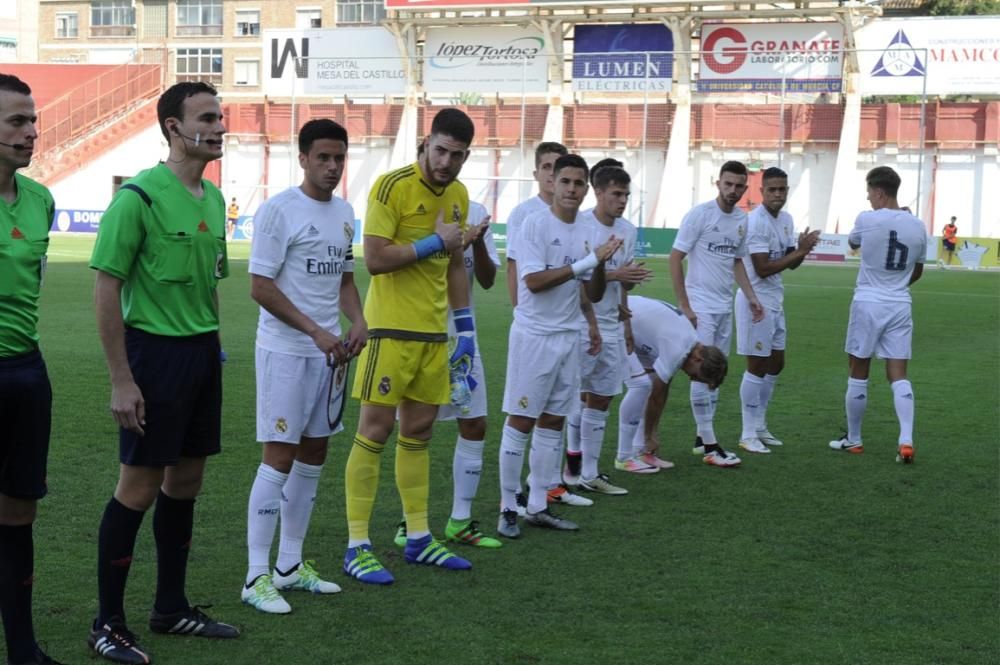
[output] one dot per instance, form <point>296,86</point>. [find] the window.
<point>308,18</point>
<point>67,25</point>
<point>247,22</point>
<point>366,12</point>
<point>112,18</point>
<point>199,17</point>
<point>246,72</point>
<point>199,64</point>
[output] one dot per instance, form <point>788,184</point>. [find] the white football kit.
<point>604,373</point>
<point>477,409</point>
<point>774,237</point>
<point>304,245</point>
<point>712,240</point>
<point>664,337</point>
<point>881,323</point>
<point>515,221</point>
<point>543,367</point>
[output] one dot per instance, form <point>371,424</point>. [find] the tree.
<point>961,7</point>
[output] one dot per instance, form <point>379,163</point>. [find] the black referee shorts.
<point>25,424</point>
<point>181,382</point>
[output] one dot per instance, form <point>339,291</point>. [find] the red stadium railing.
<point>79,111</point>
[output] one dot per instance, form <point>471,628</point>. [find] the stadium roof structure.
<point>494,12</point>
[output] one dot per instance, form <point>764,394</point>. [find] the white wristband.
<point>585,264</point>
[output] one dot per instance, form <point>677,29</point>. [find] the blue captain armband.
<point>428,245</point>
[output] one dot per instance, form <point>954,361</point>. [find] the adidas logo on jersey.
<point>421,210</point>
<point>312,230</point>
<point>556,243</point>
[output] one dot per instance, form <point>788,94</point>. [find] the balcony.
<point>199,30</point>
<point>112,30</point>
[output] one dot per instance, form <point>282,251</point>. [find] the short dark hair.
<point>11,83</point>
<point>171,102</point>
<point>884,178</point>
<point>953,218</point>
<point>454,123</point>
<point>607,161</point>
<point>714,366</point>
<point>546,147</point>
<point>732,166</point>
<point>571,161</point>
<point>320,128</point>
<point>773,172</point>
<point>604,176</point>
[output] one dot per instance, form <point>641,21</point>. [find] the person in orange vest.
<point>232,214</point>
<point>950,238</point>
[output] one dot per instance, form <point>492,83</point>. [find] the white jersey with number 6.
<point>892,243</point>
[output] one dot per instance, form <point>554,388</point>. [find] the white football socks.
<point>466,469</point>
<point>298,499</point>
<point>262,519</point>
<point>902,398</point>
<point>855,401</point>
<point>512,445</point>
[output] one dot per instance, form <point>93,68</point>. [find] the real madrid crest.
<point>586,246</point>
<point>739,230</point>
<point>456,213</point>
<point>349,231</point>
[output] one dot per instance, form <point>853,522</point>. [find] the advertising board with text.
<point>771,57</point>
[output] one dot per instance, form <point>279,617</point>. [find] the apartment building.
<point>211,40</point>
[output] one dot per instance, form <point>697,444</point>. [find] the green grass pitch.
<point>803,556</point>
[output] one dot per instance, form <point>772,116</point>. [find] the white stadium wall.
<point>963,180</point>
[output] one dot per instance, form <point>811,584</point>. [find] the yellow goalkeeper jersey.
<point>411,303</point>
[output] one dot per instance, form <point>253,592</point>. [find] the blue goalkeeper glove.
<point>464,353</point>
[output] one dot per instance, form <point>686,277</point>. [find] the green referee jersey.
<point>170,253</point>
<point>24,241</point>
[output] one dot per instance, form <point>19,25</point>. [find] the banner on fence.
<point>978,253</point>
<point>486,60</point>
<point>332,62</point>
<point>622,58</point>
<point>771,57</point>
<point>956,56</point>
<point>77,221</point>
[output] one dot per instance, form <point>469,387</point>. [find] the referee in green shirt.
<point>160,252</point>
<point>26,211</point>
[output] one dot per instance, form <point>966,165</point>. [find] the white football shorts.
<point>604,373</point>
<point>760,338</point>
<point>293,395</point>
<point>882,329</point>
<point>543,373</point>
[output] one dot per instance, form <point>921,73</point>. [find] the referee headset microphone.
<point>196,139</point>
<point>15,146</point>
